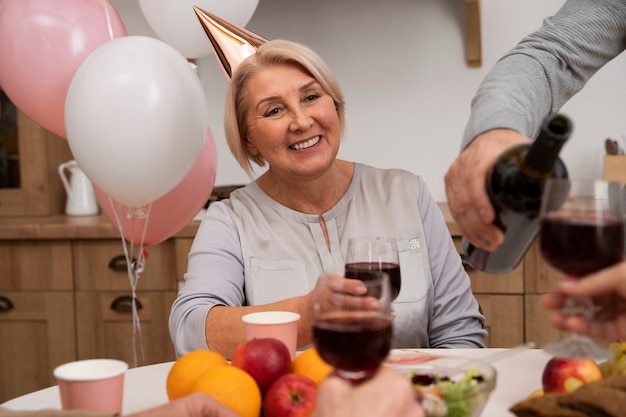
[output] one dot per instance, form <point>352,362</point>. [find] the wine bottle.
<point>514,185</point>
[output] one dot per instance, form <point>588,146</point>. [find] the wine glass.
<point>352,331</point>
<point>369,255</point>
<point>582,231</point>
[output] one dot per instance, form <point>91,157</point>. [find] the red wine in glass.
<point>366,271</point>
<point>352,331</point>
<point>354,343</point>
<point>579,245</point>
<point>582,232</point>
<point>368,256</point>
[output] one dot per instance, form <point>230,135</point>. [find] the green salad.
<point>442,396</point>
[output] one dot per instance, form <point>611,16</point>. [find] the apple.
<point>291,395</point>
<point>264,359</point>
<point>564,375</point>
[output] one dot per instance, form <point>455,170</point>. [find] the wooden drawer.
<point>504,319</point>
<point>101,265</point>
<point>37,335</point>
<point>107,332</point>
<point>36,265</point>
<point>511,283</point>
<point>540,277</point>
<point>538,327</point>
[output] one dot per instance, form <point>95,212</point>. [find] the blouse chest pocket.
<point>416,277</point>
<point>271,281</point>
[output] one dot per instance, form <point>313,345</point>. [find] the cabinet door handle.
<point>118,263</point>
<point>5,304</point>
<point>124,304</point>
<point>466,264</point>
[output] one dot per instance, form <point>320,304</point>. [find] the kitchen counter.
<point>67,227</point>
<point>100,227</point>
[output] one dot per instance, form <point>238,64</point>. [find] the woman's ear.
<point>252,150</point>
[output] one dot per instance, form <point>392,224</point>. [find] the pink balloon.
<point>170,213</point>
<point>43,44</point>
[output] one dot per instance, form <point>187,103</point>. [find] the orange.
<point>310,364</point>
<point>188,368</point>
<point>233,387</point>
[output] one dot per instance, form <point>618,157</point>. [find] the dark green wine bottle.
<point>514,185</point>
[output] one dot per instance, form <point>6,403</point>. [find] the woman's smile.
<point>306,144</point>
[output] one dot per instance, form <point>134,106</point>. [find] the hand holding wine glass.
<point>369,255</point>
<point>352,328</point>
<point>608,290</point>
<point>582,232</point>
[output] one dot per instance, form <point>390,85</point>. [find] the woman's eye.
<point>272,112</point>
<point>311,97</point>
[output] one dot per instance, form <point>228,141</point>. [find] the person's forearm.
<point>224,329</point>
<point>509,100</point>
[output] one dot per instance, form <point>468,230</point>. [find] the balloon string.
<point>135,271</point>
<point>134,267</point>
<point>108,18</point>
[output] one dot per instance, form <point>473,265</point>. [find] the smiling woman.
<point>265,246</point>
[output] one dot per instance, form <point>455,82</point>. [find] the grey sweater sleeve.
<point>548,67</point>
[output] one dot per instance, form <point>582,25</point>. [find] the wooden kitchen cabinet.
<point>101,265</point>
<point>36,313</point>
<point>36,334</point>
<point>104,302</point>
<point>65,295</point>
<point>37,189</point>
<point>105,326</point>
<point>501,299</point>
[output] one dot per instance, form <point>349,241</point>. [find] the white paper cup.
<point>92,385</point>
<point>281,325</point>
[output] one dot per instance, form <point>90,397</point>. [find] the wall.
<point>401,64</point>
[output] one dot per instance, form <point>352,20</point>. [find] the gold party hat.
<point>230,43</point>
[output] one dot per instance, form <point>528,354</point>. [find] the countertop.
<point>99,227</point>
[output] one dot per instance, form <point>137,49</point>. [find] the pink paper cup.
<point>92,385</point>
<point>281,325</point>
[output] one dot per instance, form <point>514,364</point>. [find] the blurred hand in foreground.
<point>607,289</point>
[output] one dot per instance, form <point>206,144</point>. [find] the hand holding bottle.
<point>515,187</point>
<point>465,186</point>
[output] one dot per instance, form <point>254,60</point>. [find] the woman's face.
<point>291,122</point>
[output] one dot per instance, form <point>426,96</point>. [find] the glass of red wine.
<point>352,331</point>
<point>582,232</point>
<point>368,256</point>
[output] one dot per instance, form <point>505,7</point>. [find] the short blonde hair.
<point>275,52</point>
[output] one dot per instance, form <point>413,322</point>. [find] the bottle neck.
<point>542,155</point>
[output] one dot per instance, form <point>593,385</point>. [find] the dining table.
<point>518,375</point>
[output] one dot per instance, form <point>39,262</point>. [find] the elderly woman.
<point>265,246</point>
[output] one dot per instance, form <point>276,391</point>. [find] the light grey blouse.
<point>251,250</point>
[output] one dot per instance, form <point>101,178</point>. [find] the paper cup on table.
<point>92,385</point>
<point>281,325</point>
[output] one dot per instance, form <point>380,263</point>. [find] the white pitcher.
<point>81,198</point>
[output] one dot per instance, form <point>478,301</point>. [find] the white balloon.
<point>175,22</point>
<point>136,118</point>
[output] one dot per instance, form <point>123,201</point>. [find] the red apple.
<point>265,360</point>
<point>566,375</point>
<point>292,395</point>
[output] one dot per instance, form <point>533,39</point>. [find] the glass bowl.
<point>446,386</point>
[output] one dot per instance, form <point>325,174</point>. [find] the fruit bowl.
<point>446,386</point>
